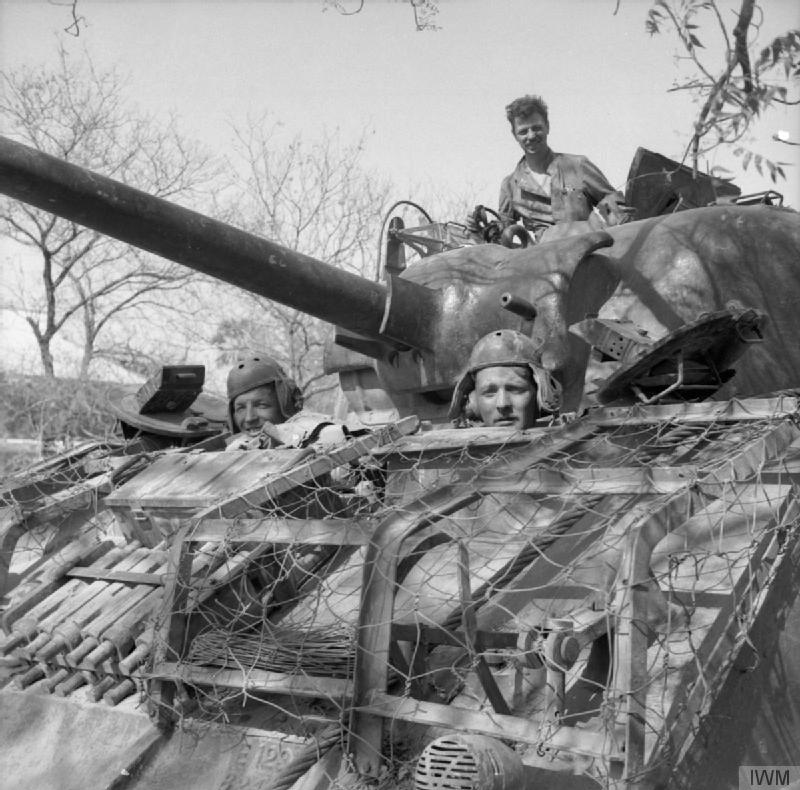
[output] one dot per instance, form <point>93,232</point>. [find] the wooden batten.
<point>724,638</point>
<point>255,680</point>
<point>334,532</point>
<point>735,410</point>
<point>583,741</point>
<point>127,577</point>
<point>581,490</point>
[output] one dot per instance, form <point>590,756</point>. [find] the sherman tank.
<point>604,600</point>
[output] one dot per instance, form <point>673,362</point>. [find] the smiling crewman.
<point>504,384</point>
<point>265,410</point>
<point>260,392</point>
<point>260,396</point>
<point>545,187</point>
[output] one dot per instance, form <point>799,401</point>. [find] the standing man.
<point>504,384</point>
<point>546,187</point>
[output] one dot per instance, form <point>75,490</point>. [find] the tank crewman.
<point>265,409</point>
<point>505,384</point>
<point>546,187</point>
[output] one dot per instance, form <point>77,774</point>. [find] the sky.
<point>430,103</point>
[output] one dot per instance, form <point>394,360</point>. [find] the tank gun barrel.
<point>401,316</point>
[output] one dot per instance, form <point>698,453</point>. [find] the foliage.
<point>58,413</point>
<point>86,280</point>
<point>732,98</point>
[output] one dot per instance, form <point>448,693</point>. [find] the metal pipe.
<point>209,246</point>
<point>517,305</point>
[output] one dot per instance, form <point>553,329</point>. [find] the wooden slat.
<point>473,636</point>
<point>750,459</point>
<point>642,523</point>
<point>191,482</point>
<point>456,440</point>
<point>105,463</point>
<point>106,667</point>
<point>524,589</point>
<point>597,480</point>
<point>718,641</point>
<point>774,476</point>
<point>463,443</point>
<point>380,573</point>
<point>706,412</point>
<point>233,566</point>
<point>698,599</point>
<point>41,599</point>
<point>436,635</point>
<point>630,651</point>
<point>740,466</point>
<point>10,535</point>
<point>169,631</point>
<point>76,604</point>
<point>577,741</point>
<point>333,532</point>
<point>48,476</point>
<point>129,577</point>
<point>79,496</point>
<point>450,440</point>
<point>303,472</point>
<point>590,626</point>
<point>575,592</point>
<point>114,614</point>
<point>255,680</point>
<point>58,463</point>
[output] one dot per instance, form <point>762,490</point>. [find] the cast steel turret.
<point>403,342</point>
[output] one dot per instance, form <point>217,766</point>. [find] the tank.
<point>416,328</point>
<point>605,599</point>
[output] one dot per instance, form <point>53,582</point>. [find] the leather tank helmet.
<point>260,370</point>
<point>504,348</point>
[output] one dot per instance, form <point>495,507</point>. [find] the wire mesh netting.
<point>578,591</point>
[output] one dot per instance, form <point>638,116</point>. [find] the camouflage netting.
<point>579,591</point>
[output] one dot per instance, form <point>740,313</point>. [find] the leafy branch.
<point>80,114</point>
<point>732,98</point>
<point>425,11</point>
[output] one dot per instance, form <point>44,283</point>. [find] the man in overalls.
<point>547,188</point>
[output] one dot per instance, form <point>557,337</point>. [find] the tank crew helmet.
<point>504,348</point>
<point>258,370</point>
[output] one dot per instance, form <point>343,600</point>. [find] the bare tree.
<point>733,96</point>
<point>76,20</point>
<point>310,196</point>
<point>85,279</point>
<point>425,11</point>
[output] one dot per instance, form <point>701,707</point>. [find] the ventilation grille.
<point>447,764</point>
